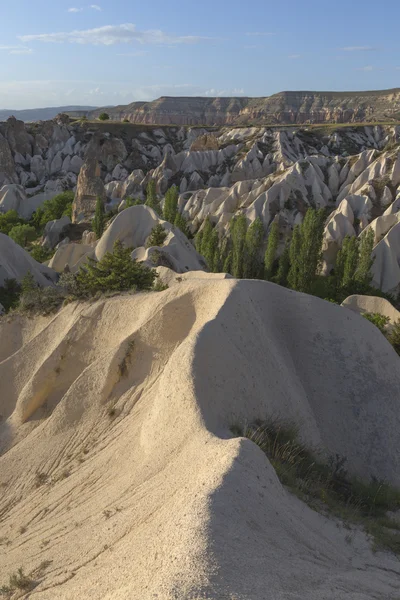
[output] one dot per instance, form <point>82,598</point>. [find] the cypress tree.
<point>198,239</point>
<point>284,266</point>
<point>99,218</point>
<point>294,252</point>
<point>151,196</point>
<point>171,204</point>
<point>181,223</point>
<point>205,238</point>
<point>270,253</point>
<point>227,265</point>
<point>238,229</point>
<point>310,256</point>
<point>209,246</point>
<point>363,276</point>
<point>346,263</point>
<point>253,260</point>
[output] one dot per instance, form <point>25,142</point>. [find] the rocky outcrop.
<point>285,107</point>
<point>15,263</point>
<point>54,231</point>
<point>88,189</point>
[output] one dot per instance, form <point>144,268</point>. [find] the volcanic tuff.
<point>273,173</point>
<point>285,107</point>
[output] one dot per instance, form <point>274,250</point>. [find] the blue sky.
<point>55,53</point>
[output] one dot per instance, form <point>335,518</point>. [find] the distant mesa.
<point>285,108</point>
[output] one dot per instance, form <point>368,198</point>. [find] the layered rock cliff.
<point>285,108</point>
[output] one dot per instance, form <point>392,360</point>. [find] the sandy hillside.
<point>119,476</point>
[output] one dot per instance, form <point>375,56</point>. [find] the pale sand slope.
<point>191,512</point>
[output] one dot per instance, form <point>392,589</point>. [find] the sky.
<point>64,52</point>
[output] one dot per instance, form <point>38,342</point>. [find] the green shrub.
<point>394,337</point>
<point>57,207</point>
<point>22,234</point>
<point>380,321</point>
<point>41,253</point>
<point>8,220</point>
<point>129,201</point>
<point>9,294</point>
<point>157,236</point>
<point>116,271</point>
<point>104,116</point>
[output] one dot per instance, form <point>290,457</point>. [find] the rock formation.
<point>88,189</point>
<point>120,477</point>
<point>353,172</point>
<point>285,107</point>
<point>15,263</point>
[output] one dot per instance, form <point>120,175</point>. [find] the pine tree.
<point>151,197</point>
<point>283,267</point>
<point>99,218</point>
<point>363,276</point>
<point>253,257</point>
<point>28,283</point>
<point>270,253</point>
<point>116,271</point>
<point>171,204</point>
<point>294,251</point>
<point>157,236</point>
<point>238,228</point>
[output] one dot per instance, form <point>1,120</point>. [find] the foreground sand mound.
<point>118,473</point>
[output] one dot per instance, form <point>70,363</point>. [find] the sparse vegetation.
<point>380,321</point>
<point>394,337</point>
<point>325,485</point>
<point>17,581</point>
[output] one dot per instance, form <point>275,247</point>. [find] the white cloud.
<point>22,51</point>
<point>112,34</point>
<point>75,10</point>
<point>358,49</point>
<point>138,53</point>
<point>96,7</point>
<point>16,49</point>
<point>294,56</point>
<point>215,93</point>
<point>260,33</point>
<point>366,69</point>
